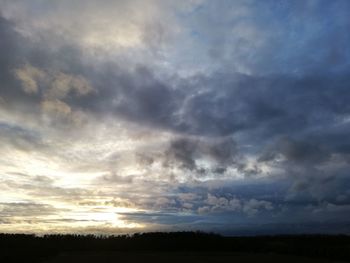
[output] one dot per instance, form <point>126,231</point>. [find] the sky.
<point>155,115</point>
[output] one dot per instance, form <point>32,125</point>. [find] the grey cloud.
<point>249,207</point>
<point>297,151</point>
<point>30,87</point>
<point>311,165</point>
<point>20,138</point>
<point>151,100</point>
<point>44,187</point>
<point>187,197</point>
<point>262,105</point>
<point>9,210</point>
<point>185,152</point>
<point>161,218</point>
<point>253,206</point>
<point>242,102</point>
<point>117,179</point>
<point>101,25</point>
<point>315,184</point>
<point>10,56</point>
<point>220,204</point>
<point>120,202</point>
<point>271,29</point>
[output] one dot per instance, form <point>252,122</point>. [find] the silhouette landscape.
<point>173,247</point>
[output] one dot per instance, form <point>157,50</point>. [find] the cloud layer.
<point>117,116</point>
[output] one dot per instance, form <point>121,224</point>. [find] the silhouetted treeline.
<point>31,248</point>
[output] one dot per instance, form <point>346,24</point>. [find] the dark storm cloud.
<point>185,152</point>
<point>10,56</point>
<point>297,151</point>
<point>221,104</point>
<point>265,107</point>
<point>265,199</point>
<point>8,44</point>
<point>272,104</point>
<point>140,97</point>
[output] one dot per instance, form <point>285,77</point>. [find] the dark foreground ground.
<point>182,257</point>
<point>179,247</point>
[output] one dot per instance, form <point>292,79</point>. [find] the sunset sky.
<point>121,116</point>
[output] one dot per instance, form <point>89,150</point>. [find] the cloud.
<point>63,84</point>
<point>187,152</point>
<point>53,85</point>
<point>23,210</point>
<point>100,29</point>
<point>249,207</point>
<point>117,179</point>
<point>20,138</point>
<point>297,151</point>
<point>29,76</point>
<point>192,112</point>
<point>253,206</point>
<point>56,106</point>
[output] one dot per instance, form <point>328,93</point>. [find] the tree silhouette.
<point>31,248</point>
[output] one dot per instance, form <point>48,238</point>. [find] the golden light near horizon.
<point>104,215</point>
<point>73,218</point>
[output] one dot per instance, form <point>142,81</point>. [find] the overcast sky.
<point>124,116</point>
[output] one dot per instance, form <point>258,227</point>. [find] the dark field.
<point>180,257</point>
<point>177,247</point>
